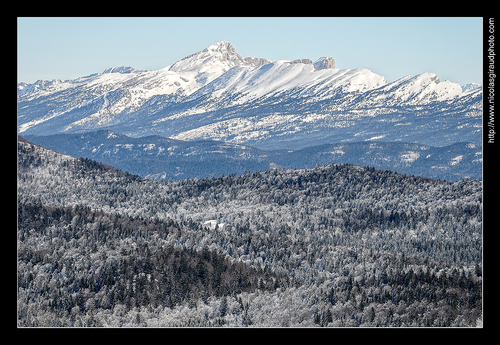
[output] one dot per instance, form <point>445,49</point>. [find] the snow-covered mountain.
<point>217,94</point>
<point>470,87</point>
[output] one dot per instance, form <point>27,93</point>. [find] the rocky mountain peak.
<point>223,47</point>
<point>218,53</point>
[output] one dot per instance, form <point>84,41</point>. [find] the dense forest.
<point>337,245</point>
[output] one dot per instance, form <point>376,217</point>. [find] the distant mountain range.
<point>217,94</point>
<point>163,158</point>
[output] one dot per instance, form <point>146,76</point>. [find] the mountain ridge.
<point>217,94</point>
<point>163,158</point>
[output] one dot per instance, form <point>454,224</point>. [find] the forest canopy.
<point>337,245</point>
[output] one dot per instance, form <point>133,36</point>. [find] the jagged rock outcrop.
<point>306,61</point>
<point>324,63</point>
<point>254,62</point>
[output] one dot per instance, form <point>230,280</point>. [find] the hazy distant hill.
<point>163,158</point>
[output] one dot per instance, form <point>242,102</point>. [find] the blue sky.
<point>67,48</point>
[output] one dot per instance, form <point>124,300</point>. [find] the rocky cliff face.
<point>251,61</point>
<point>324,63</point>
<point>306,61</point>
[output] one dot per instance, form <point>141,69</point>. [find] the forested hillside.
<point>97,261</point>
<point>338,245</point>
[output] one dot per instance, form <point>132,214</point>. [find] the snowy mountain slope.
<point>246,84</point>
<point>470,87</point>
<point>107,97</point>
<point>217,94</point>
<point>163,158</point>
